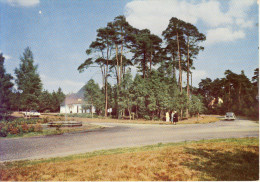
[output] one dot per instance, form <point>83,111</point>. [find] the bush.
<point>146,117</point>
<point>20,129</point>
<point>3,132</point>
<point>31,128</point>
<point>19,126</point>
<point>14,130</point>
<point>38,128</point>
<point>25,128</point>
<point>156,118</point>
<point>46,120</point>
<point>1,125</point>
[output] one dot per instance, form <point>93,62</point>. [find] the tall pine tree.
<point>5,88</point>
<point>28,81</point>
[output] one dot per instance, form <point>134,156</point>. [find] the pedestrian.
<point>167,117</point>
<point>172,115</point>
<point>175,117</point>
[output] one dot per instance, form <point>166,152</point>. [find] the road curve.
<point>120,135</point>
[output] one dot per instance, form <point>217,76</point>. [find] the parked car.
<point>230,116</point>
<point>32,114</point>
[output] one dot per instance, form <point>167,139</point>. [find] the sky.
<point>59,32</point>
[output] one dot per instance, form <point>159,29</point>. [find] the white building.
<point>75,104</point>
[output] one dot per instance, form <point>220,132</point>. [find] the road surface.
<point>120,135</point>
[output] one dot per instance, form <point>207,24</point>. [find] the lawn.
<point>217,160</point>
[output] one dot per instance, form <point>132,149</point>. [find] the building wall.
<point>75,108</point>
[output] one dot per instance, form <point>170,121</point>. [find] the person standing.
<point>167,117</point>
<point>175,117</point>
<point>172,115</point>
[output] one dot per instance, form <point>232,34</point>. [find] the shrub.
<point>156,118</point>
<point>1,125</point>
<point>46,120</point>
<point>25,127</point>
<point>3,132</point>
<point>20,129</point>
<point>31,128</point>
<point>38,128</point>
<point>146,117</point>
<point>14,130</point>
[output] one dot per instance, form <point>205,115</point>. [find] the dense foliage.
<point>156,91</point>
<point>238,93</point>
<point>119,46</point>
<point>28,82</point>
<point>5,89</point>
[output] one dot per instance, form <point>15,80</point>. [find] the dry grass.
<point>193,120</point>
<point>228,159</point>
<point>200,120</point>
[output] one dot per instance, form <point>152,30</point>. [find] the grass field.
<point>223,159</point>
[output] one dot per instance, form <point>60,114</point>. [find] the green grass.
<point>45,132</point>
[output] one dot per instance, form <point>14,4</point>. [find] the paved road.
<point>120,135</point>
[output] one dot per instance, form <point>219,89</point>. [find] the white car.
<point>230,116</point>
<point>32,114</point>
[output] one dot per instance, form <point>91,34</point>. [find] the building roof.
<point>72,99</point>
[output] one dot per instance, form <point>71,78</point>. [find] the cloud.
<point>7,57</point>
<point>67,86</point>
<point>155,15</point>
<point>223,35</point>
<point>23,3</point>
<point>197,75</point>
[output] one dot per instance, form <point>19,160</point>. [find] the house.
<point>75,103</point>
<point>215,101</point>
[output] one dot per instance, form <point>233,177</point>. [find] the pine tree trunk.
<point>173,71</point>
<point>144,65</point>
<point>117,67</point>
<point>106,96</point>
<point>191,81</point>
<point>106,73</point>
<point>180,69</point>
<point>121,57</point>
<point>188,76</point>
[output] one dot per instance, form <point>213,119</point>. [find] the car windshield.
<point>229,114</point>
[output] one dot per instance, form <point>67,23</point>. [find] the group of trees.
<point>238,93</point>
<point>155,91</point>
<point>29,93</point>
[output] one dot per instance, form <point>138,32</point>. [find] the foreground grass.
<point>224,159</point>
